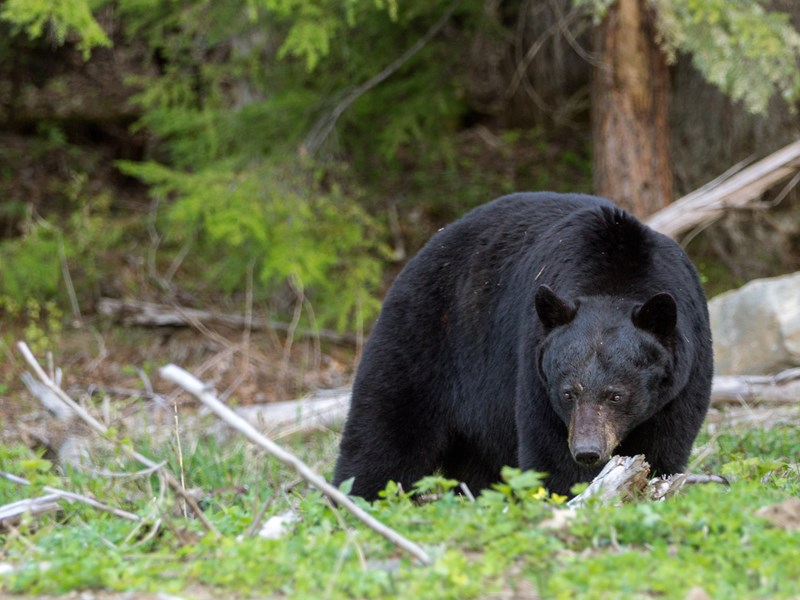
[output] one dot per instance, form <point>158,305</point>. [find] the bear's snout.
<point>591,435</point>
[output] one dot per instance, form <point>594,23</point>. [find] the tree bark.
<point>629,111</point>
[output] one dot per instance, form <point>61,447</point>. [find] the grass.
<point>708,536</point>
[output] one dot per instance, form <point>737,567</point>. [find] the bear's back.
<point>486,241</point>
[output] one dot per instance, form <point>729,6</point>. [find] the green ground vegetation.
<point>709,536</point>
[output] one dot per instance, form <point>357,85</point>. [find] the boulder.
<point>756,328</point>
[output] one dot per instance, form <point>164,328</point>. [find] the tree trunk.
<point>630,128</point>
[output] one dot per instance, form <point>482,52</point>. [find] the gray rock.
<point>756,328</point>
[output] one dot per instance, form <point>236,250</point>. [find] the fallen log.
<point>779,389</point>
<point>623,478</point>
<point>153,314</point>
<point>739,190</point>
<point>329,407</point>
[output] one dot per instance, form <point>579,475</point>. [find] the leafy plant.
<point>58,19</point>
<point>750,53</point>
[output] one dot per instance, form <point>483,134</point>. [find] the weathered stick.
<point>98,427</point>
<point>11,513</point>
<point>195,387</point>
<point>153,314</point>
<point>76,497</point>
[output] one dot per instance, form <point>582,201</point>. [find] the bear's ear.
<point>552,309</point>
<point>659,315</point>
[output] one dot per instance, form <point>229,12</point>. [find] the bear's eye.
<point>567,396</point>
<point>615,397</point>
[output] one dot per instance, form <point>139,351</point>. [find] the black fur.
<point>461,374</point>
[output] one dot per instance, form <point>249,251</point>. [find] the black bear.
<point>540,330</point>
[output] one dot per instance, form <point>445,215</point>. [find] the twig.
<point>195,387</point>
<point>701,478</point>
<point>179,258</point>
<point>297,288</point>
<point>524,62</point>
<point>255,526</point>
<point>244,346</point>
<point>73,297</point>
<point>103,431</point>
<point>467,492</point>
<point>76,497</point>
<point>180,454</point>
<point>126,475</point>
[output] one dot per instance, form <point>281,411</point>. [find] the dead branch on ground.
<point>705,205</point>
<point>10,514</point>
<point>749,417</point>
<point>195,387</point>
<point>104,432</point>
<point>622,477</point>
<point>782,388</point>
<point>153,314</point>
<point>72,496</point>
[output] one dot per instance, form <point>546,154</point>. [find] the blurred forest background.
<point>284,158</point>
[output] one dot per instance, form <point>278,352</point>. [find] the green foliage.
<point>22,462</point>
<point>38,18</point>
<point>284,224</point>
<point>235,90</point>
<point>748,52</point>
<point>242,86</point>
<point>31,264</point>
<point>709,536</point>
<point>34,263</point>
<point>43,321</point>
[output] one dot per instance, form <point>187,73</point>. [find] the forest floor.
<point>102,362</point>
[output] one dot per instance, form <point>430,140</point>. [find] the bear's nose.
<point>587,456</point>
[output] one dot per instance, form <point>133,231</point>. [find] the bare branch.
<point>11,513</point>
<point>153,314</point>
<point>195,387</point>
<point>75,497</point>
<point>103,431</point>
<point>625,477</point>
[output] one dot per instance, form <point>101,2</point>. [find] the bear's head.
<point>606,363</point>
